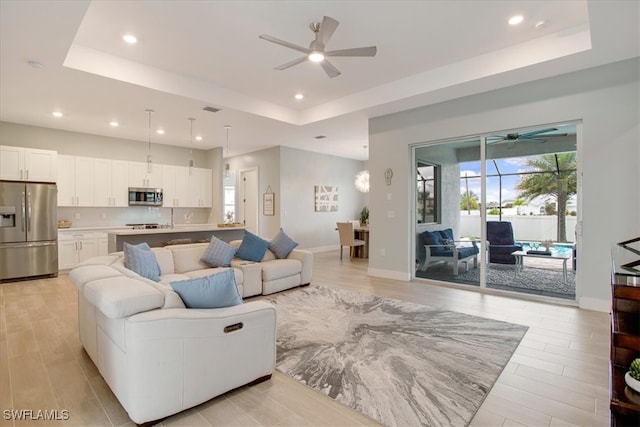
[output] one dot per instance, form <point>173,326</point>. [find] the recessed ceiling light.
<point>130,38</point>
<point>515,20</point>
<point>160,131</point>
<point>320,137</point>
<point>57,114</point>
<point>299,96</point>
<point>35,64</point>
<point>114,124</point>
<point>198,138</point>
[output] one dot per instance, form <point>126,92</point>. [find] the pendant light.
<point>149,162</point>
<point>226,166</point>
<point>190,163</point>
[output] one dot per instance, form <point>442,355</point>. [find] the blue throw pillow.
<point>218,253</point>
<point>215,291</point>
<point>282,245</point>
<point>140,259</point>
<point>252,247</point>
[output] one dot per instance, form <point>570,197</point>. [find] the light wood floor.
<point>558,376</point>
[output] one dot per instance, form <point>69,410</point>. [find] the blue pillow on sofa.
<point>252,247</point>
<point>140,259</point>
<point>214,291</point>
<point>218,253</point>
<point>282,245</point>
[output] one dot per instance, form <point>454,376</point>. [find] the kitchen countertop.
<point>178,228</point>
<point>183,228</point>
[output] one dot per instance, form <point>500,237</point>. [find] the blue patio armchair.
<point>501,242</point>
<point>439,246</point>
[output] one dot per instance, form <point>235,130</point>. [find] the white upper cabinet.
<point>111,183</point>
<point>200,186</point>
<point>76,181</point>
<point>28,164</point>
<point>140,177</point>
<point>175,186</point>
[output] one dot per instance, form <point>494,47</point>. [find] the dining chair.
<point>347,238</point>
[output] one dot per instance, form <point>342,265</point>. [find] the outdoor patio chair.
<point>439,246</point>
<point>501,242</point>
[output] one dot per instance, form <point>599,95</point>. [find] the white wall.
<point>301,171</point>
<point>292,175</point>
<point>605,99</point>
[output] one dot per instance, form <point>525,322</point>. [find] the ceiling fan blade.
<point>284,43</point>
<point>356,51</point>
<point>291,63</point>
<point>327,28</point>
<point>329,69</point>
<point>530,140</point>
<point>536,132</point>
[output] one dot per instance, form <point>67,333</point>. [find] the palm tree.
<point>554,175</point>
<point>469,201</point>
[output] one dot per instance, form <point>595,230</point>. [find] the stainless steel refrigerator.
<point>28,230</point>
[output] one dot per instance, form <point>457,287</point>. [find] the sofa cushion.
<point>252,247</point>
<point>165,260</point>
<point>218,253</point>
<point>142,260</point>
<point>433,238</point>
<point>187,257</point>
<point>280,268</point>
<point>213,291</point>
<point>282,245</point>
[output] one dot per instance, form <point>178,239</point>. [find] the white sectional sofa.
<point>160,358</point>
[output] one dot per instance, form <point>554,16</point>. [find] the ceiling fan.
<point>533,136</point>
<point>316,51</point>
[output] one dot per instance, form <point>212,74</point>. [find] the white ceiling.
<point>193,54</point>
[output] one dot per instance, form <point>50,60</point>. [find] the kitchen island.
<point>158,237</point>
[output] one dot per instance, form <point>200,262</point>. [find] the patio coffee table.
<point>520,256</point>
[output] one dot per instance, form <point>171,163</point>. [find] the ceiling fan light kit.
<point>316,51</point>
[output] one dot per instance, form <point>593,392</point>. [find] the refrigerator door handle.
<point>24,212</point>
<point>28,212</point>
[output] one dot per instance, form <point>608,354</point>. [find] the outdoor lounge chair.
<point>501,242</point>
<point>440,246</point>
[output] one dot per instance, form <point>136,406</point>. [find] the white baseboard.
<point>322,248</point>
<point>389,274</point>
<point>595,304</point>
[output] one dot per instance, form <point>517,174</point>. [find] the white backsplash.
<point>116,217</point>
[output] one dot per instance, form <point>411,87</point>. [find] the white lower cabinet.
<point>76,247</point>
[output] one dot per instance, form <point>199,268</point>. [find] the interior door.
<point>249,199</point>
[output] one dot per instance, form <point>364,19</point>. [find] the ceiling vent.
<point>211,109</point>
<point>320,137</point>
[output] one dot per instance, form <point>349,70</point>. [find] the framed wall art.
<point>268,202</point>
<point>326,198</point>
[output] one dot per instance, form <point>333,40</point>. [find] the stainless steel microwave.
<point>145,196</point>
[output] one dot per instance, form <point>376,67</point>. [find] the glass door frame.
<point>483,255</point>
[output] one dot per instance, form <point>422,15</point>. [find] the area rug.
<point>539,281</point>
<point>399,363</point>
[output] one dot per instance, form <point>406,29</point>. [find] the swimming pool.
<point>559,248</point>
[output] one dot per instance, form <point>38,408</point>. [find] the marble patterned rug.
<point>399,363</point>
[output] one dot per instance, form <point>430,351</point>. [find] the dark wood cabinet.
<point>625,346</point>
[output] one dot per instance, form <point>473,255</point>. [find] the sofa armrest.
<point>118,297</point>
<point>306,258</point>
<point>193,355</point>
<point>252,276</point>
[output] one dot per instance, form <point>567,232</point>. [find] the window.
<point>428,193</point>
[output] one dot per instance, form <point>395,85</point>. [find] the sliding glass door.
<point>499,211</point>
